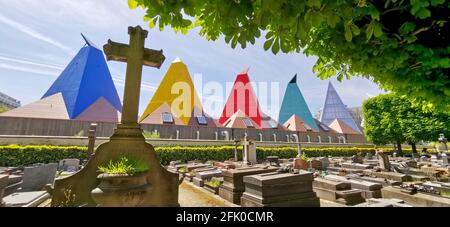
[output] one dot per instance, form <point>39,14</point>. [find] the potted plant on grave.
<point>213,185</point>
<point>302,162</point>
<point>123,183</point>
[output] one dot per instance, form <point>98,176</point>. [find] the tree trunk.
<point>414,148</point>
<point>399,148</point>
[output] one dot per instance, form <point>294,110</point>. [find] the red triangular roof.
<point>242,97</point>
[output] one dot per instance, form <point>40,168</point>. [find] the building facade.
<point>8,101</point>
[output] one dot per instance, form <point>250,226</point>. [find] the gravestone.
<point>325,162</point>
<point>127,139</point>
<point>233,186</point>
<point>279,190</point>
<point>445,159</point>
<point>36,177</point>
<point>249,156</point>
<point>383,160</point>
<point>357,159</point>
<point>69,165</point>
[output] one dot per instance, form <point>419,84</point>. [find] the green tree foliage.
<point>403,45</point>
<point>394,119</point>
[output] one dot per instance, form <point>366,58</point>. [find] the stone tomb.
<point>233,186</point>
<point>190,175</point>
<point>389,175</point>
<point>279,190</point>
<point>418,200</point>
<point>201,177</point>
<point>336,191</point>
<point>369,189</point>
<point>356,166</point>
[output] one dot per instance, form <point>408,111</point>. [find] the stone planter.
<point>301,164</point>
<point>212,189</point>
<point>121,190</point>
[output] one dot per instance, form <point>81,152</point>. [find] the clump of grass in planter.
<point>124,166</point>
<point>183,170</point>
<point>214,183</point>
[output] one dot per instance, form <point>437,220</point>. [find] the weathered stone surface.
<point>200,177</point>
<point>355,166</point>
<point>335,191</point>
<point>389,175</point>
<point>308,199</point>
<point>369,189</point>
<point>384,160</point>
<point>331,184</point>
<point>26,199</point>
<point>36,177</point>
<point>69,165</point>
<point>3,184</point>
<point>418,200</point>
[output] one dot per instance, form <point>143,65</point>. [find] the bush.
<point>14,155</point>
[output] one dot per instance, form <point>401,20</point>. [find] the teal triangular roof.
<point>334,109</point>
<point>85,80</point>
<point>295,104</point>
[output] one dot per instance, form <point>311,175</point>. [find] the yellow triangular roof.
<point>176,90</point>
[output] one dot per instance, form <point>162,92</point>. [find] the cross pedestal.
<point>127,139</point>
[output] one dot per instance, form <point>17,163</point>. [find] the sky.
<point>39,38</point>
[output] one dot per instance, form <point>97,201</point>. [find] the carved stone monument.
<point>127,139</point>
<point>383,159</point>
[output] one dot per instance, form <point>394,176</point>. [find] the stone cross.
<point>246,145</point>
<point>135,55</point>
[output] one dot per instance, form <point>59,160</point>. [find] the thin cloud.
<point>27,69</point>
<point>33,33</point>
<point>29,62</point>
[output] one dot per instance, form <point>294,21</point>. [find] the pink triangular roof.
<point>52,107</point>
<point>340,127</point>
<point>100,111</point>
<point>156,116</point>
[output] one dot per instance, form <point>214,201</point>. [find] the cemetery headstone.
<point>383,159</point>
<point>69,165</point>
<point>35,178</point>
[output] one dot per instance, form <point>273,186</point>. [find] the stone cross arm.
<point>120,52</point>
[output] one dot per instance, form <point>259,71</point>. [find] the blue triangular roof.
<point>295,104</point>
<point>334,108</point>
<point>84,81</point>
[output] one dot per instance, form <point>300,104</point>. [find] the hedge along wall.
<point>14,155</point>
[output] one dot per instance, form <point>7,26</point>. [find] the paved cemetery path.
<point>192,196</point>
